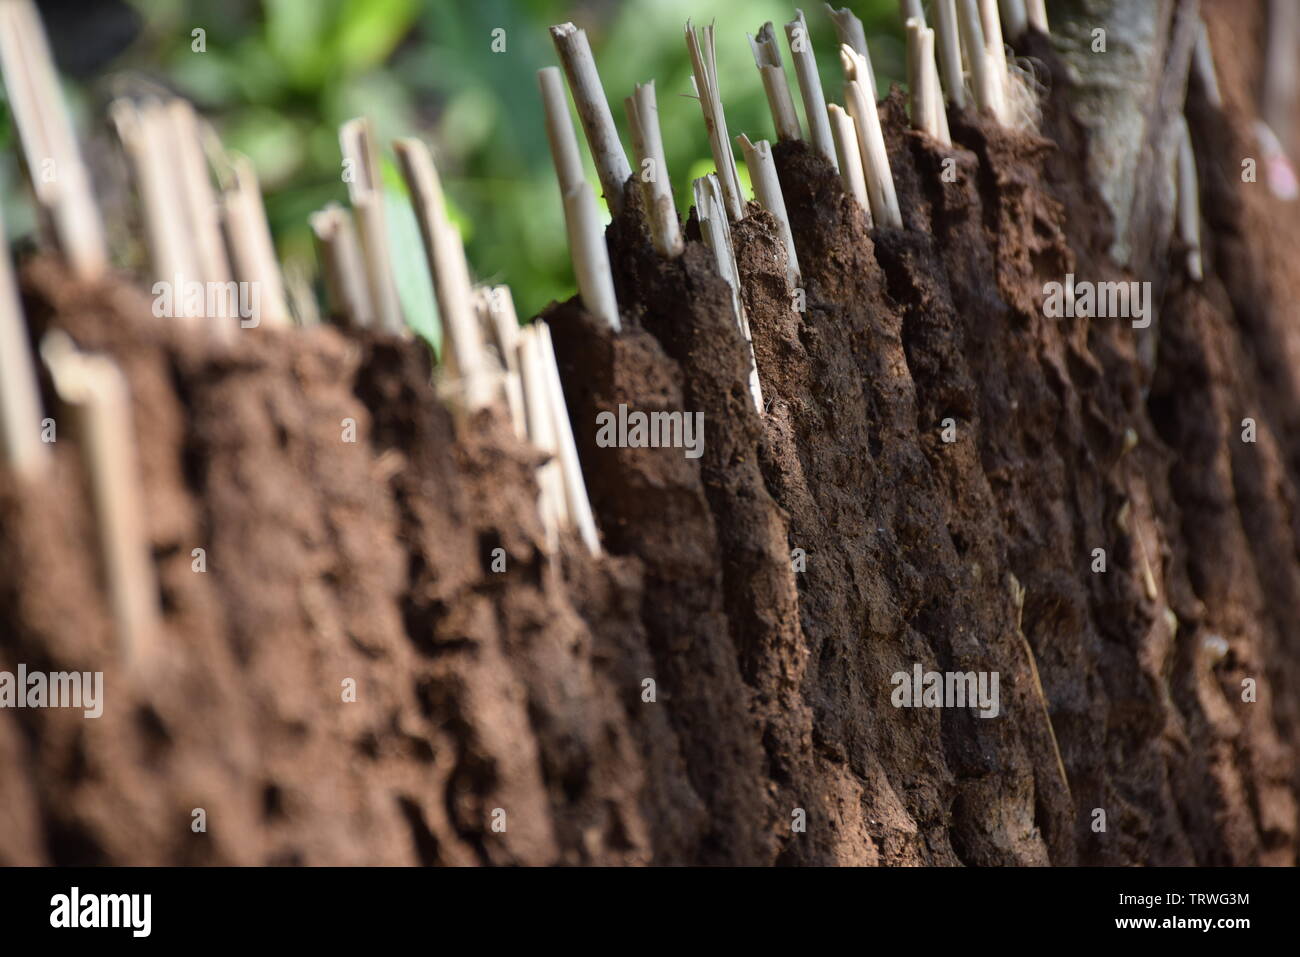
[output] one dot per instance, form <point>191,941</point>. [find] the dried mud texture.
<point>935,468</point>
<point>326,561</point>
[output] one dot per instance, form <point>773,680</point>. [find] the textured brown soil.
<point>526,690</point>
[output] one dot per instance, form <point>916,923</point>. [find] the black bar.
<point>614,908</point>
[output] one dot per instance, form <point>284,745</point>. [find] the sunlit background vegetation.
<point>279,76</point>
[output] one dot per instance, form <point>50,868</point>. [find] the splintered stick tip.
<point>593,110</point>
<point>767,57</point>
<point>810,87</point>
<point>846,143</point>
<point>575,486</point>
<point>705,79</point>
<point>656,187</point>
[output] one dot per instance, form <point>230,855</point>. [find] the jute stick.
<point>593,109</point>
<point>143,132</point>
<point>920,41</point>
<point>58,175</point>
<point>767,189</point>
<point>199,197</point>
<point>95,385</point>
<point>366,193</point>
<point>541,433</point>
<point>911,10</point>
<point>497,309</point>
<point>871,143</point>
<point>846,142</point>
<point>983,77</point>
<point>1014,18</point>
<point>997,52</point>
<point>949,45</point>
<point>940,110</point>
<point>462,343</point>
<point>705,66</point>
<point>559,129</point>
<point>1036,12</point>
<point>810,88</point>
<point>652,174</point>
<point>20,401</point>
<point>1189,202</point>
<point>575,486</point>
<point>342,266</point>
<point>198,203</point>
<point>372,238</point>
<point>582,222</point>
<point>248,236</point>
<point>298,290</point>
<point>767,57</point>
<point>848,28</point>
<point>590,256</point>
<point>716,233</point>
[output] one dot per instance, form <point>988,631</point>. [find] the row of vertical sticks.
<point>204,222</point>
<point>971,53</point>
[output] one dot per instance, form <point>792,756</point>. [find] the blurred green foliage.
<point>279,76</point>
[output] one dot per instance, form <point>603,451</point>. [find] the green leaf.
<point>367,31</point>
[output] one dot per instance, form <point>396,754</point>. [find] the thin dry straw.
<point>997,53</point>
<point>585,231</point>
<point>940,110</point>
<point>767,57</point>
<point>366,193</point>
<point>767,189</point>
<point>1036,12</point>
<point>949,45</point>
<point>810,87</point>
<point>559,129</point>
<point>575,486</point>
<point>590,256</point>
<point>248,236</point>
<point>1189,202</point>
<point>462,350</point>
<point>846,142</point>
<point>54,164</point>
<point>871,143</point>
<point>20,402</point>
<point>199,197</point>
<point>496,310</point>
<point>656,186</point>
<point>144,132</point>
<point>342,266</point>
<point>920,45</point>
<point>705,66</point>
<point>983,76</point>
<point>593,109</point>
<point>716,233</point>
<point>541,433</point>
<point>96,386</point>
<point>298,277</point>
